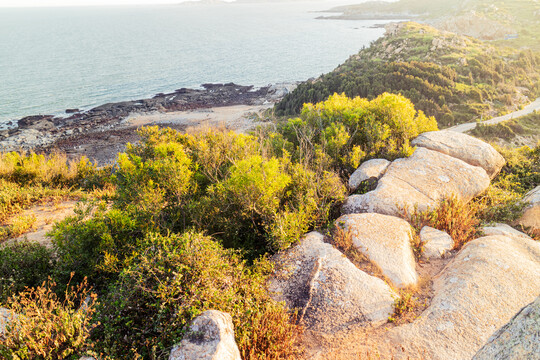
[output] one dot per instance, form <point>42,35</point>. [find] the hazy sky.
<point>25,3</point>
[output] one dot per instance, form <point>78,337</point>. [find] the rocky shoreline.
<point>104,124</point>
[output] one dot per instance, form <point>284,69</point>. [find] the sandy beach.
<point>239,118</point>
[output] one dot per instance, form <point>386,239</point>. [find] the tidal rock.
<point>422,180</point>
<point>37,122</point>
<point>464,147</point>
<point>436,243</point>
<point>517,340</point>
<point>210,337</point>
<point>531,215</point>
<point>371,169</point>
<point>386,241</point>
<point>483,287</point>
<point>329,291</point>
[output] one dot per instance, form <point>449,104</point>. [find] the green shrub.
<point>173,279</point>
<point>94,243</point>
<point>23,264</point>
<point>342,132</point>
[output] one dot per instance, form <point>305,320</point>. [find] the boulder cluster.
<point>481,287</point>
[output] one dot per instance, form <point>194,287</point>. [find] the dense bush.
<point>343,132</point>
<point>175,278</point>
<point>23,264</point>
<point>225,183</point>
<point>94,243</point>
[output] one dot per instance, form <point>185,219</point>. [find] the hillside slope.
<point>454,78</point>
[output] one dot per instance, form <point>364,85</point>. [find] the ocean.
<point>52,59</point>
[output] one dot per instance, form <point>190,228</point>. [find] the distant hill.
<point>454,78</point>
<point>515,22</point>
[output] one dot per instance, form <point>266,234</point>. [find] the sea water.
<point>57,58</point>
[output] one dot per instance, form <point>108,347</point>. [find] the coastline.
<point>101,132</point>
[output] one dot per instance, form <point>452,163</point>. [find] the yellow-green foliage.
<point>343,132</point>
<point>46,328</point>
<point>225,183</point>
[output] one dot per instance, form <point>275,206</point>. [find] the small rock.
<point>531,215</point>
<point>464,147</point>
<point>72,111</point>
<point>210,337</point>
<point>517,340</point>
<point>371,169</point>
<point>386,241</point>
<point>329,291</point>
<point>436,243</point>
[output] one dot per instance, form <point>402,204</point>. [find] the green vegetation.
<point>527,126</point>
<point>453,78</point>
<point>189,222</point>
<point>341,133</point>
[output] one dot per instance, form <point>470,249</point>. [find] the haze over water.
<point>57,58</point>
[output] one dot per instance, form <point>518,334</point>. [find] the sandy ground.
<point>240,118</point>
<point>45,215</point>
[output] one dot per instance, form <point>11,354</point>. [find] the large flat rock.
<point>484,286</point>
<point>421,180</point>
<point>464,147</point>
<point>517,340</point>
<point>330,293</point>
<point>386,241</point>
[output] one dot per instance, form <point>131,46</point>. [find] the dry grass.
<point>46,327</point>
<point>457,217</point>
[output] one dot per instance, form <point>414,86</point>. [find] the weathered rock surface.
<point>483,287</point>
<point>210,337</point>
<point>386,241</point>
<point>436,243</point>
<point>329,291</point>
<point>464,147</point>
<point>503,229</point>
<point>371,169</point>
<point>517,340</point>
<point>531,215</point>
<point>422,180</point>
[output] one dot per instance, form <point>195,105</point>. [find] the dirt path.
<point>44,217</point>
<point>535,105</point>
